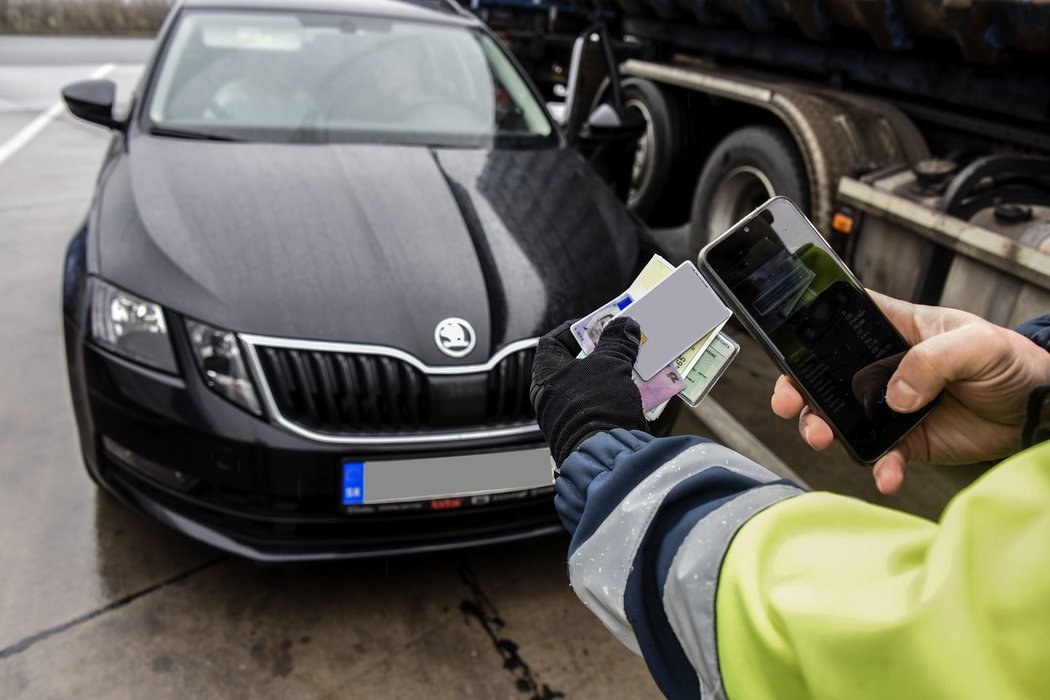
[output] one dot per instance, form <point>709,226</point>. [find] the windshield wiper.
<point>189,134</point>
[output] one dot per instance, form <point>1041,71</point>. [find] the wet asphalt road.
<point>98,601</point>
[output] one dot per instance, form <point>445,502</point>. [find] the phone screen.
<point>828,332</point>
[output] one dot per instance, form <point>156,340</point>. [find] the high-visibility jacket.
<point>734,583</point>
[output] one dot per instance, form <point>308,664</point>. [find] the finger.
<point>551,355</point>
<point>787,402</point>
<point>563,335</point>
<point>889,471</point>
<point>930,365</point>
<point>814,430</point>
<point>619,340</point>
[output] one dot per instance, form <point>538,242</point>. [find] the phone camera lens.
<point>747,229</point>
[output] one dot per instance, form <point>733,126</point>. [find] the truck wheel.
<point>660,174</point>
<point>745,169</point>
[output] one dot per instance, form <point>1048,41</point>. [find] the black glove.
<point>575,399</point>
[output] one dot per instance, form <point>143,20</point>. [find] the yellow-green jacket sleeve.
<point>822,596</point>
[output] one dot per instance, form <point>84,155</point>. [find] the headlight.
<point>219,357</point>
<point>130,326</point>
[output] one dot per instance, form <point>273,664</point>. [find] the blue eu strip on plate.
<point>353,483</point>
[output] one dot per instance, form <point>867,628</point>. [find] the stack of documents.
<point>682,351</point>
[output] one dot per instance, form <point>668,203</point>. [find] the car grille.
<point>346,393</point>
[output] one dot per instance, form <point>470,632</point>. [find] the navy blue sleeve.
<point>587,477</point>
<point>1037,330</point>
<point>651,515</point>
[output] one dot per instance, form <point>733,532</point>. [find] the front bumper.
<point>182,454</point>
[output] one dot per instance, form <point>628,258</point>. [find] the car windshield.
<point>313,77</point>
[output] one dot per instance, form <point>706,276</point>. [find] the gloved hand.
<point>575,399</point>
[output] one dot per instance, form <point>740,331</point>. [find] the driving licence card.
<point>659,388</point>
<point>674,315</point>
<point>656,391</point>
<point>589,328</point>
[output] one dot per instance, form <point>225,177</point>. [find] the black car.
<point>301,315</point>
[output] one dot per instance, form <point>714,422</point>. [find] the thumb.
<point>619,340</point>
<point>916,322</point>
<point>930,365</point>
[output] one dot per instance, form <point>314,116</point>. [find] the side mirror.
<point>607,125</point>
<point>92,101</point>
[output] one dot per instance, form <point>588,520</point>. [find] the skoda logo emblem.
<point>454,337</point>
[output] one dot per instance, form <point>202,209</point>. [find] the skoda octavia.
<point>301,314</point>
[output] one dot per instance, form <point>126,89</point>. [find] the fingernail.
<point>901,396</point>
<point>805,433</point>
<point>881,479</point>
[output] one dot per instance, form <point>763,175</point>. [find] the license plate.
<point>471,479</point>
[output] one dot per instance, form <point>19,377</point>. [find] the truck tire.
<point>746,168</point>
<point>664,170</point>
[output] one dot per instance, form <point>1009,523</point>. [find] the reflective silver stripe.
<point>692,581</point>
<point>599,568</point>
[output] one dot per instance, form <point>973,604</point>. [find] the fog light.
<point>169,477</point>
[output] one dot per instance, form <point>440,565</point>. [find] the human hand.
<point>987,373</point>
<point>576,398</point>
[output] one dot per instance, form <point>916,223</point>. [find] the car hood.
<point>364,243</point>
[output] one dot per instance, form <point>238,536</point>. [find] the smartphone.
<point>815,321</point>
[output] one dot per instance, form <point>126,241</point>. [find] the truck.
<point>915,134</point>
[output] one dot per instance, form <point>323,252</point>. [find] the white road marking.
<point>13,144</point>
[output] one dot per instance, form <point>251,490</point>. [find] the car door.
<point>597,122</point>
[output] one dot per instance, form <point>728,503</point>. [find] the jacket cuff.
<point>588,487</point>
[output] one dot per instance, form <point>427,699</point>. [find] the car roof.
<point>438,11</point>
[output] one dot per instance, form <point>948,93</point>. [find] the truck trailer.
<point>915,134</point>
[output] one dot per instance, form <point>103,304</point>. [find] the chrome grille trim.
<point>251,341</point>
<point>360,349</point>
